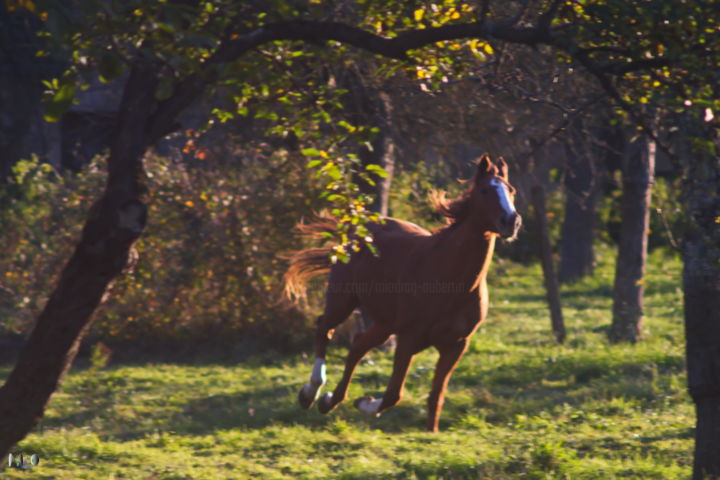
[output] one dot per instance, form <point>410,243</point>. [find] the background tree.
<point>583,180</point>
<point>638,172</point>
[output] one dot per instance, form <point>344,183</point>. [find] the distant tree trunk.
<point>382,152</point>
<point>638,174</point>
<point>701,286</point>
<point>577,258</point>
<point>370,106</point>
<point>114,223</point>
<point>385,156</point>
<point>545,250</point>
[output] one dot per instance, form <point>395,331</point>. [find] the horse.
<point>429,289</point>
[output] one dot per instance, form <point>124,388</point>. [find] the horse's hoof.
<point>305,398</point>
<point>325,403</point>
<point>369,405</point>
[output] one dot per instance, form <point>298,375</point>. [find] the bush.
<point>208,266</point>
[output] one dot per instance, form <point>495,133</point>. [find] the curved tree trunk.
<point>114,223</point>
<point>637,173</point>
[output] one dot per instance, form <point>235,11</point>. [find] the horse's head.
<point>493,198</point>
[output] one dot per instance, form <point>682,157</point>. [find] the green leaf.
<point>310,152</point>
<point>377,170</point>
<point>347,126</point>
<point>334,172</point>
<point>313,163</point>
<point>60,102</point>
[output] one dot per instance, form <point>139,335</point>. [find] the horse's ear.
<point>502,168</point>
<point>484,167</point>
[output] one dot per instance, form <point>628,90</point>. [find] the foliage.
<point>667,217</point>
<point>209,264</point>
<point>637,50</point>
<point>518,405</point>
<point>38,200</point>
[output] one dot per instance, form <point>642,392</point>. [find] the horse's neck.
<point>469,251</point>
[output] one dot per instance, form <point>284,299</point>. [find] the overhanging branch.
<point>231,49</point>
<point>396,47</point>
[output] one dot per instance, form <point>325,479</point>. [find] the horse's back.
<point>396,228</point>
<point>398,242</point>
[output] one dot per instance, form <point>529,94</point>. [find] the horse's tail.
<point>311,262</point>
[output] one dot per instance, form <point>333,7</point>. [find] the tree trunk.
<point>638,174</point>
<point>385,156</point>
<point>114,223</point>
<point>701,286</point>
<point>551,287</point>
<point>577,258</point>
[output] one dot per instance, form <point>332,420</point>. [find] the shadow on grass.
<point>499,393</point>
<point>255,410</point>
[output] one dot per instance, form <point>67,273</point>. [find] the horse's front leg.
<point>449,357</point>
<point>404,353</point>
<point>324,332</point>
<point>374,336</point>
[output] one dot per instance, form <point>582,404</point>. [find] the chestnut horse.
<point>427,289</point>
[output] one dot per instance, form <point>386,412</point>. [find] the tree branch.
<point>397,47</point>
<point>188,90</point>
<point>607,85</point>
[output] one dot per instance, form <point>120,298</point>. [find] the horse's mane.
<point>455,209</point>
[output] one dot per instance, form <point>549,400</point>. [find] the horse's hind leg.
<point>338,307</point>
<point>403,357</point>
<point>374,336</point>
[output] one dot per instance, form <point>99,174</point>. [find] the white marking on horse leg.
<point>369,405</point>
<point>505,202</point>
<point>319,375</point>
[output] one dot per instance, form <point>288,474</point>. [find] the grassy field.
<point>518,406</point>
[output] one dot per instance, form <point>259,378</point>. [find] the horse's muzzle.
<point>510,225</point>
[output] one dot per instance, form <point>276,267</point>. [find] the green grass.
<point>518,406</point>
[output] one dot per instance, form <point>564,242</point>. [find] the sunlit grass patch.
<point>518,405</point>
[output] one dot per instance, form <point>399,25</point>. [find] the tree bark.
<point>701,286</point>
<point>638,174</point>
<point>551,286</point>
<point>577,258</point>
<point>114,223</point>
<point>372,107</point>
<point>383,154</point>
<point>385,157</point>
